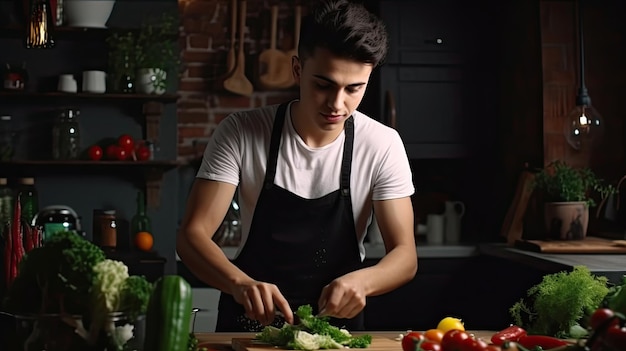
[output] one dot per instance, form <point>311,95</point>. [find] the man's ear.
<point>296,68</point>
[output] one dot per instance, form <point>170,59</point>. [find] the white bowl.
<point>88,13</point>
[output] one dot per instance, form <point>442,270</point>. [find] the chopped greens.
<point>312,333</point>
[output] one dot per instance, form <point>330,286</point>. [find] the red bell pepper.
<point>512,333</point>
<point>543,341</point>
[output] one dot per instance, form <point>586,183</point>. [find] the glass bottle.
<point>6,202</point>
<point>7,139</point>
<point>66,135</point>
<point>29,198</point>
<point>140,221</point>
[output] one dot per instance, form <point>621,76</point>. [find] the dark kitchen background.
<point>473,109</point>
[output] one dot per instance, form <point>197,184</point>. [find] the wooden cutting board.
<point>589,245</point>
<point>379,343</point>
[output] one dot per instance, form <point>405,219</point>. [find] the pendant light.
<point>584,125</point>
<point>40,25</point>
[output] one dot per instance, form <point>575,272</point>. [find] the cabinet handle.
<point>390,110</point>
<point>436,41</point>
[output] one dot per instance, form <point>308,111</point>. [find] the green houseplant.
<point>156,53</point>
<point>122,61</point>
<point>568,193</point>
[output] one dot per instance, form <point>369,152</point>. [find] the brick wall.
<point>205,40</point>
<point>604,77</point>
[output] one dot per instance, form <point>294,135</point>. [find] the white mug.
<point>94,81</point>
<point>435,224</point>
<point>67,83</point>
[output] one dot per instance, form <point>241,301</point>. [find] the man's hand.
<point>261,300</point>
<point>344,297</point>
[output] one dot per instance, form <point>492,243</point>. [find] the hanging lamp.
<point>40,25</point>
<point>584,125</point>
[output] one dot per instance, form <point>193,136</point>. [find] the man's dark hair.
<point>345,28</point>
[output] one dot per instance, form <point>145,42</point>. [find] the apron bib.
<point>298,244</point>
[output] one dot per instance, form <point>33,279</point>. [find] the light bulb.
<point>584,126</point>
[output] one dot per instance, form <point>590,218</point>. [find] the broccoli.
<point>559,302</point>
<point>311,333</point>
<point>56,277</point>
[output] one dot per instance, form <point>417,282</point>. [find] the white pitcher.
<point>454,212</point>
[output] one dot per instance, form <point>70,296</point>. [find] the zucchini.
<point>169,315</point>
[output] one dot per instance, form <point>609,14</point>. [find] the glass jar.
<point>66,135</point>
<point>7,138</point>
<point>104,228</point>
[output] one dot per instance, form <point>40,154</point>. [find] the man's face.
<point>331,88</point>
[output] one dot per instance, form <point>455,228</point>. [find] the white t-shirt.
<point>238,150</point>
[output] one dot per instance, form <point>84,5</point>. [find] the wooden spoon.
<point>276,63</point>
<point>231,57</point>
<point>237,82</point>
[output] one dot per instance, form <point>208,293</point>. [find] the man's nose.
<point>335,99</point>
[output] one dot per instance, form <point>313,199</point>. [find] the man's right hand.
<point>261,301</point>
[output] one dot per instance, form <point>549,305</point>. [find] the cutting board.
<point>589,245</point>
<point>379,343</point>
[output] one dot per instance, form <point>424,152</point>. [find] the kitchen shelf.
<point>164,98</point>
<point>151,172</point>
<point>65,32</point>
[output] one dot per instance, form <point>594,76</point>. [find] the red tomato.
<point>121,154</point>
<point>111,151</point>
<point>408,341</point>
<point>430,346</point>
<point>95,152</point>
<point>143,153</point>
<point>492,347</point>
<point>615,338</point>
<point>453,339</point>
<point>473,344</point>
<point>126,142</point>
<point>599,316</point>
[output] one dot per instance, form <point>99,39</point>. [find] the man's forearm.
<point>393,270</point>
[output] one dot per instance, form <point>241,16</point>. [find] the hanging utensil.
<point>231,56</point>
<point>238,83</point>
<point>275,65</point>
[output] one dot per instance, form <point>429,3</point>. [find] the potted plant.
<point>122,61</point>
<point>157,53</point>
<point>568,193</point>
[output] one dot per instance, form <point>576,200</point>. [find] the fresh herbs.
<point>312,333</point>
<point>560,302</point>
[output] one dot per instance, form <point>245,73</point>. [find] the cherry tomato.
<point>111,151</point>
<point>143,153</point>
<point>615,338</point>
<point>95,152</point>
<point>126,142</point>
<point>408,341</point>
<point>121,154</point>
<point>434,335</point>
<point>473,344</point>
<point>453,339</point>
<point>599,316</point>
<point>430,346</point>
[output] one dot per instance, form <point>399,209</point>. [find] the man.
<point>308,174</point>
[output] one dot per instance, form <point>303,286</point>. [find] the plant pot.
<point>566,220</point>
<point>88,13</point>
<point>151,81</point>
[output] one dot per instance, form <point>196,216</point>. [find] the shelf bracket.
<point>154,182</point>
<point>152,111</point>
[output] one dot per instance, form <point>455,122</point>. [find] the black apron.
<point>298,244</point>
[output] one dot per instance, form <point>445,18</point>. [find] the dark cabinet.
<point>433,75</point>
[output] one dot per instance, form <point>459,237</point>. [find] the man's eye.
<point>352,90</point>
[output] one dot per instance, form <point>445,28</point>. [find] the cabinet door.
<point>429,104</point>
<point>424,31</point>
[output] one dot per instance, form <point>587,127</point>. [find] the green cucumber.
<point>169,315</point>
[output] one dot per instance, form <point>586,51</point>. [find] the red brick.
<point>192,117</point>
<point>198,41</point>
<point>219,117</point>
<point>198,56</point>
<point>193,85</point>
<point>192,132</point>
<point>201,8</point>
<point>282,97</point>
<point>192,104</point>
<point>234,101</point>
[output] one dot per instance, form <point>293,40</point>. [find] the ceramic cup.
<point>435,224</point>
<point>94,82</point>
<point>67,83</point>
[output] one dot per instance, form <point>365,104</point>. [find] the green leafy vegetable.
<point>311,333</point>
<point>559,302</point>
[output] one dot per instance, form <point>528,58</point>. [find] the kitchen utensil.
<point>454,211</point>
<point>238,83</point>
<point>275,65</point>
<point>231,57</point>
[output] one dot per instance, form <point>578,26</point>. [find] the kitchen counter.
<point>612,266</point>
<point>222,341</point>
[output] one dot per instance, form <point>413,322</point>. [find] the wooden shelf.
<point>164,98</point>
<point>150,172</point>
<point>65,32</point>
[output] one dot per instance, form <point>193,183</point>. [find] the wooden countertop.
<point>223,341</point>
